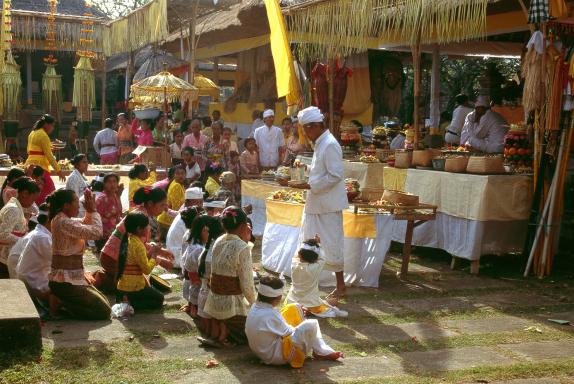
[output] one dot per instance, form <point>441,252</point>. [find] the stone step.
<point>19,319</point>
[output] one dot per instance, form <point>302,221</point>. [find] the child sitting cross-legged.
<point>283,337</point>
<point>134,265</point>
<point>305,271</point>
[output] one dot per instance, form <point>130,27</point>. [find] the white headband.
<point>313,248</point>
<point>99,178</point>
<point>34,219</point>
<point>266,290</point>
<point>45,213</point>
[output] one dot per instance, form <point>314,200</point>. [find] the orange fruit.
<point>512,151</point>
<point>521,151</point>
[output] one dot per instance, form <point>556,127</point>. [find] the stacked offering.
<point>518,151</point>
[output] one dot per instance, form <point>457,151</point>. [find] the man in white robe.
<point>270,141</point>
<point>484,130</point>
<point>453,131</point>
<point>174,239</point>
<point>326,198</point>
<point>283,337</point>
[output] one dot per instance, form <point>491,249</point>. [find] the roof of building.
<point>64,7</point>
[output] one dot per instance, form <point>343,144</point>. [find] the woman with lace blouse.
<point>231,280</point>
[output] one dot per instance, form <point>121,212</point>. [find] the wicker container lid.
<point>401,198</point>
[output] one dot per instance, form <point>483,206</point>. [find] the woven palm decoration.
<point>339,28</point>
<point>84,95</point>
<point>11,87</point>
<point>51,81</point>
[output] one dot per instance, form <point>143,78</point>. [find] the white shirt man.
<point>453,131</point>
<point>36,261</point>
<point>484,130</point>
<point>106,142</point>
<point>174,238</point>
<point>270,140</point>
<point>326,198</point>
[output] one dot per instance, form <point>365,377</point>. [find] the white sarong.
<point>329,226</point>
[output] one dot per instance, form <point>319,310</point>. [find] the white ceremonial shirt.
<point>265,329</point>
<point>453,131</point>
<point>305,283</point>
<point>326,177</point>
<point>487,135</point>
<point>106,141</point>
<point>193,172</point>
<point>36,260</point>
<point>78,183</point>
<point>269,140</point>
<point>174,239</point>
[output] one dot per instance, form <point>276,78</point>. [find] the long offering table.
<point>476,215</point>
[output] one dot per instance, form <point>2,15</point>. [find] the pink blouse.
<point>110,209</point>
<point>112,247</point>
<point>144,138</point>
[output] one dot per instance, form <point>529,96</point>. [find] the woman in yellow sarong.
<point>40,153</point>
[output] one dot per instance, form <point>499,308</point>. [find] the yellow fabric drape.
<point>293,316</point>
<point>286,79</point>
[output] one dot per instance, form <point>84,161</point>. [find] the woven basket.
<point>422,158</point>
<point>398,197</point>
<point>384,154</point>
<point>485,165</point>
<point>372,194</point>
<point>456,164</point>
<point>403,159</point>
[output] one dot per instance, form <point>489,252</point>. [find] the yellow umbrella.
<point>206,86</point>
<point>163,88</point>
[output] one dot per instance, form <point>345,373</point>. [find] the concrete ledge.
<point>19,319</point>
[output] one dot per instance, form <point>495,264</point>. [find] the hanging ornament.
<point>51,81</point>
<point>84,97</point>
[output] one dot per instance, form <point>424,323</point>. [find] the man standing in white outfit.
<point>326,198</point>
<point>270,141</point>
<point>453,131</point>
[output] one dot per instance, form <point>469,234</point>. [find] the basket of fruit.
<point>422,158</point>
<point>369,159</point>
<point>485,165</point>
<point>456,164</point>
<point>353,189</point>
<point>403,159</point>
<point>517,149</point>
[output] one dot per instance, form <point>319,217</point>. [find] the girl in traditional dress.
<point>140,176</point>
<point>231,282</point>
<point>175,199</point>
<point>134,264</point>
<point>125,139</point>
<point>149,201</point>
<point>7,192</point>
<point>40,153</point>
<point>13,223</point>
<point>68,280</point>
<point>109,207</point>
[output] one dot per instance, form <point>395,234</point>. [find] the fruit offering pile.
<point>289,196</point>
<point>517,150</point>
<point>352,185</point>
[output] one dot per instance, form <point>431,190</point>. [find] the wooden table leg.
<point>453,262</point>
<point>474,267</point>
<point>407,248</point>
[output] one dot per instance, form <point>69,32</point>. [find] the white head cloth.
<point>99,178</point>
<point>482,101</point>
<point>310,115</point>
<point>266,290</point>
<point>313,248</point>
<point>193,194</point>
<point>44,213</point>
<point>268,113</point>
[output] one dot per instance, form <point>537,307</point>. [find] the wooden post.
<point>407,248</point>
<point>192,39</point>
<point>104,106</point>
<point>435,87</point>
<point>331,89</point>
<point>216,73</point>
<point>129,72</point>
<point>29,98</point>
<point>181,50</point>
<point>416,53</point>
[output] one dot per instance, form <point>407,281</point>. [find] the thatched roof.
<point>64,8</point>
<point>241,21</point>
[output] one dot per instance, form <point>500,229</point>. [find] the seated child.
<point>305,271</point>
<point>140,176</point>
<point>249,159</point>
<point>225,192</point>
<point>213,172</point>
<point>192,249</point>
<point>208,326</point>
<point>283,337</point>
<point>134,265</point>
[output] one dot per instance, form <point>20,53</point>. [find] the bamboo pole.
<point>104,106</point>
<point>435,87</point>
<point>331,90</point>
<point>192,26</point>
<point>416,53</point>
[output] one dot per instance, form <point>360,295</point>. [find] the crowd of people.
<point>191,222</point>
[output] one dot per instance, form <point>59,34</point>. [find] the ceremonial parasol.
<point>205,86</point>
<point>163,88</point>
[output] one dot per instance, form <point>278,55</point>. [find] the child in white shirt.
<point>305,271</point>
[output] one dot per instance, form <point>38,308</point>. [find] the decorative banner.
<point>51,81</point>
<point>84,96</point>
<point>11,87</point>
